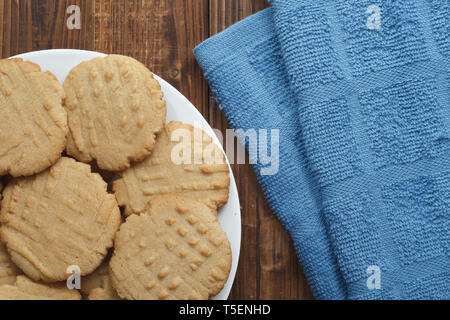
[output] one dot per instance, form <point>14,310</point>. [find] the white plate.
<point>61,61</point>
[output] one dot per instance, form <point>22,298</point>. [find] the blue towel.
<point>360,93</point>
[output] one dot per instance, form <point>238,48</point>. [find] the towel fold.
<point>360,94</point>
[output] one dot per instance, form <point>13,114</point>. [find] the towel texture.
<point>360,93</point>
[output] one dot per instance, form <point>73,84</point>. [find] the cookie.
<point>59,218</point>
<point>166,172</point>
<point>115,111</point>
<point>8,270</point>
<point>25,289</point>
<point>33,124</point>
<point>71,149</point>
<point>101,294</point>
<point>98,285</point>
<point>176,249</point>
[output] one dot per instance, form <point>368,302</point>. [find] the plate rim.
<point>225,293</point>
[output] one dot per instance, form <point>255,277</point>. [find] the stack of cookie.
<point>62,147</point>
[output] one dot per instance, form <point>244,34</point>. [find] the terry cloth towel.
<point>360,93</point>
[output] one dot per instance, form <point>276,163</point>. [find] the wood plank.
<point>29,25</point>
<point>159,33</point>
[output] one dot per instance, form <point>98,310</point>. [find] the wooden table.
<point>162,34</point>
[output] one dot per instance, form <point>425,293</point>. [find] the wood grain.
<point>162,34</point>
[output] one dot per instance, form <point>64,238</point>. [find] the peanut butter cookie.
<point>185,161</point>
<point>115,111</point>
<point>98,285</point>
<point>175,249</point>
<point>59,218</point>
<point>8,270</point>
<point>33,126</point>
<point>26,289</point>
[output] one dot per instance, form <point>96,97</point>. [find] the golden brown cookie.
<point>33,124</point>
<point>115,111</point>
<point>8,270</point>
<point>59,218</point>
<point>26,289</point>
<point>101,294</point>
<point>72,150</point>
<point>176,249</point>
<point>98,285</point>
<point>167,171</point>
